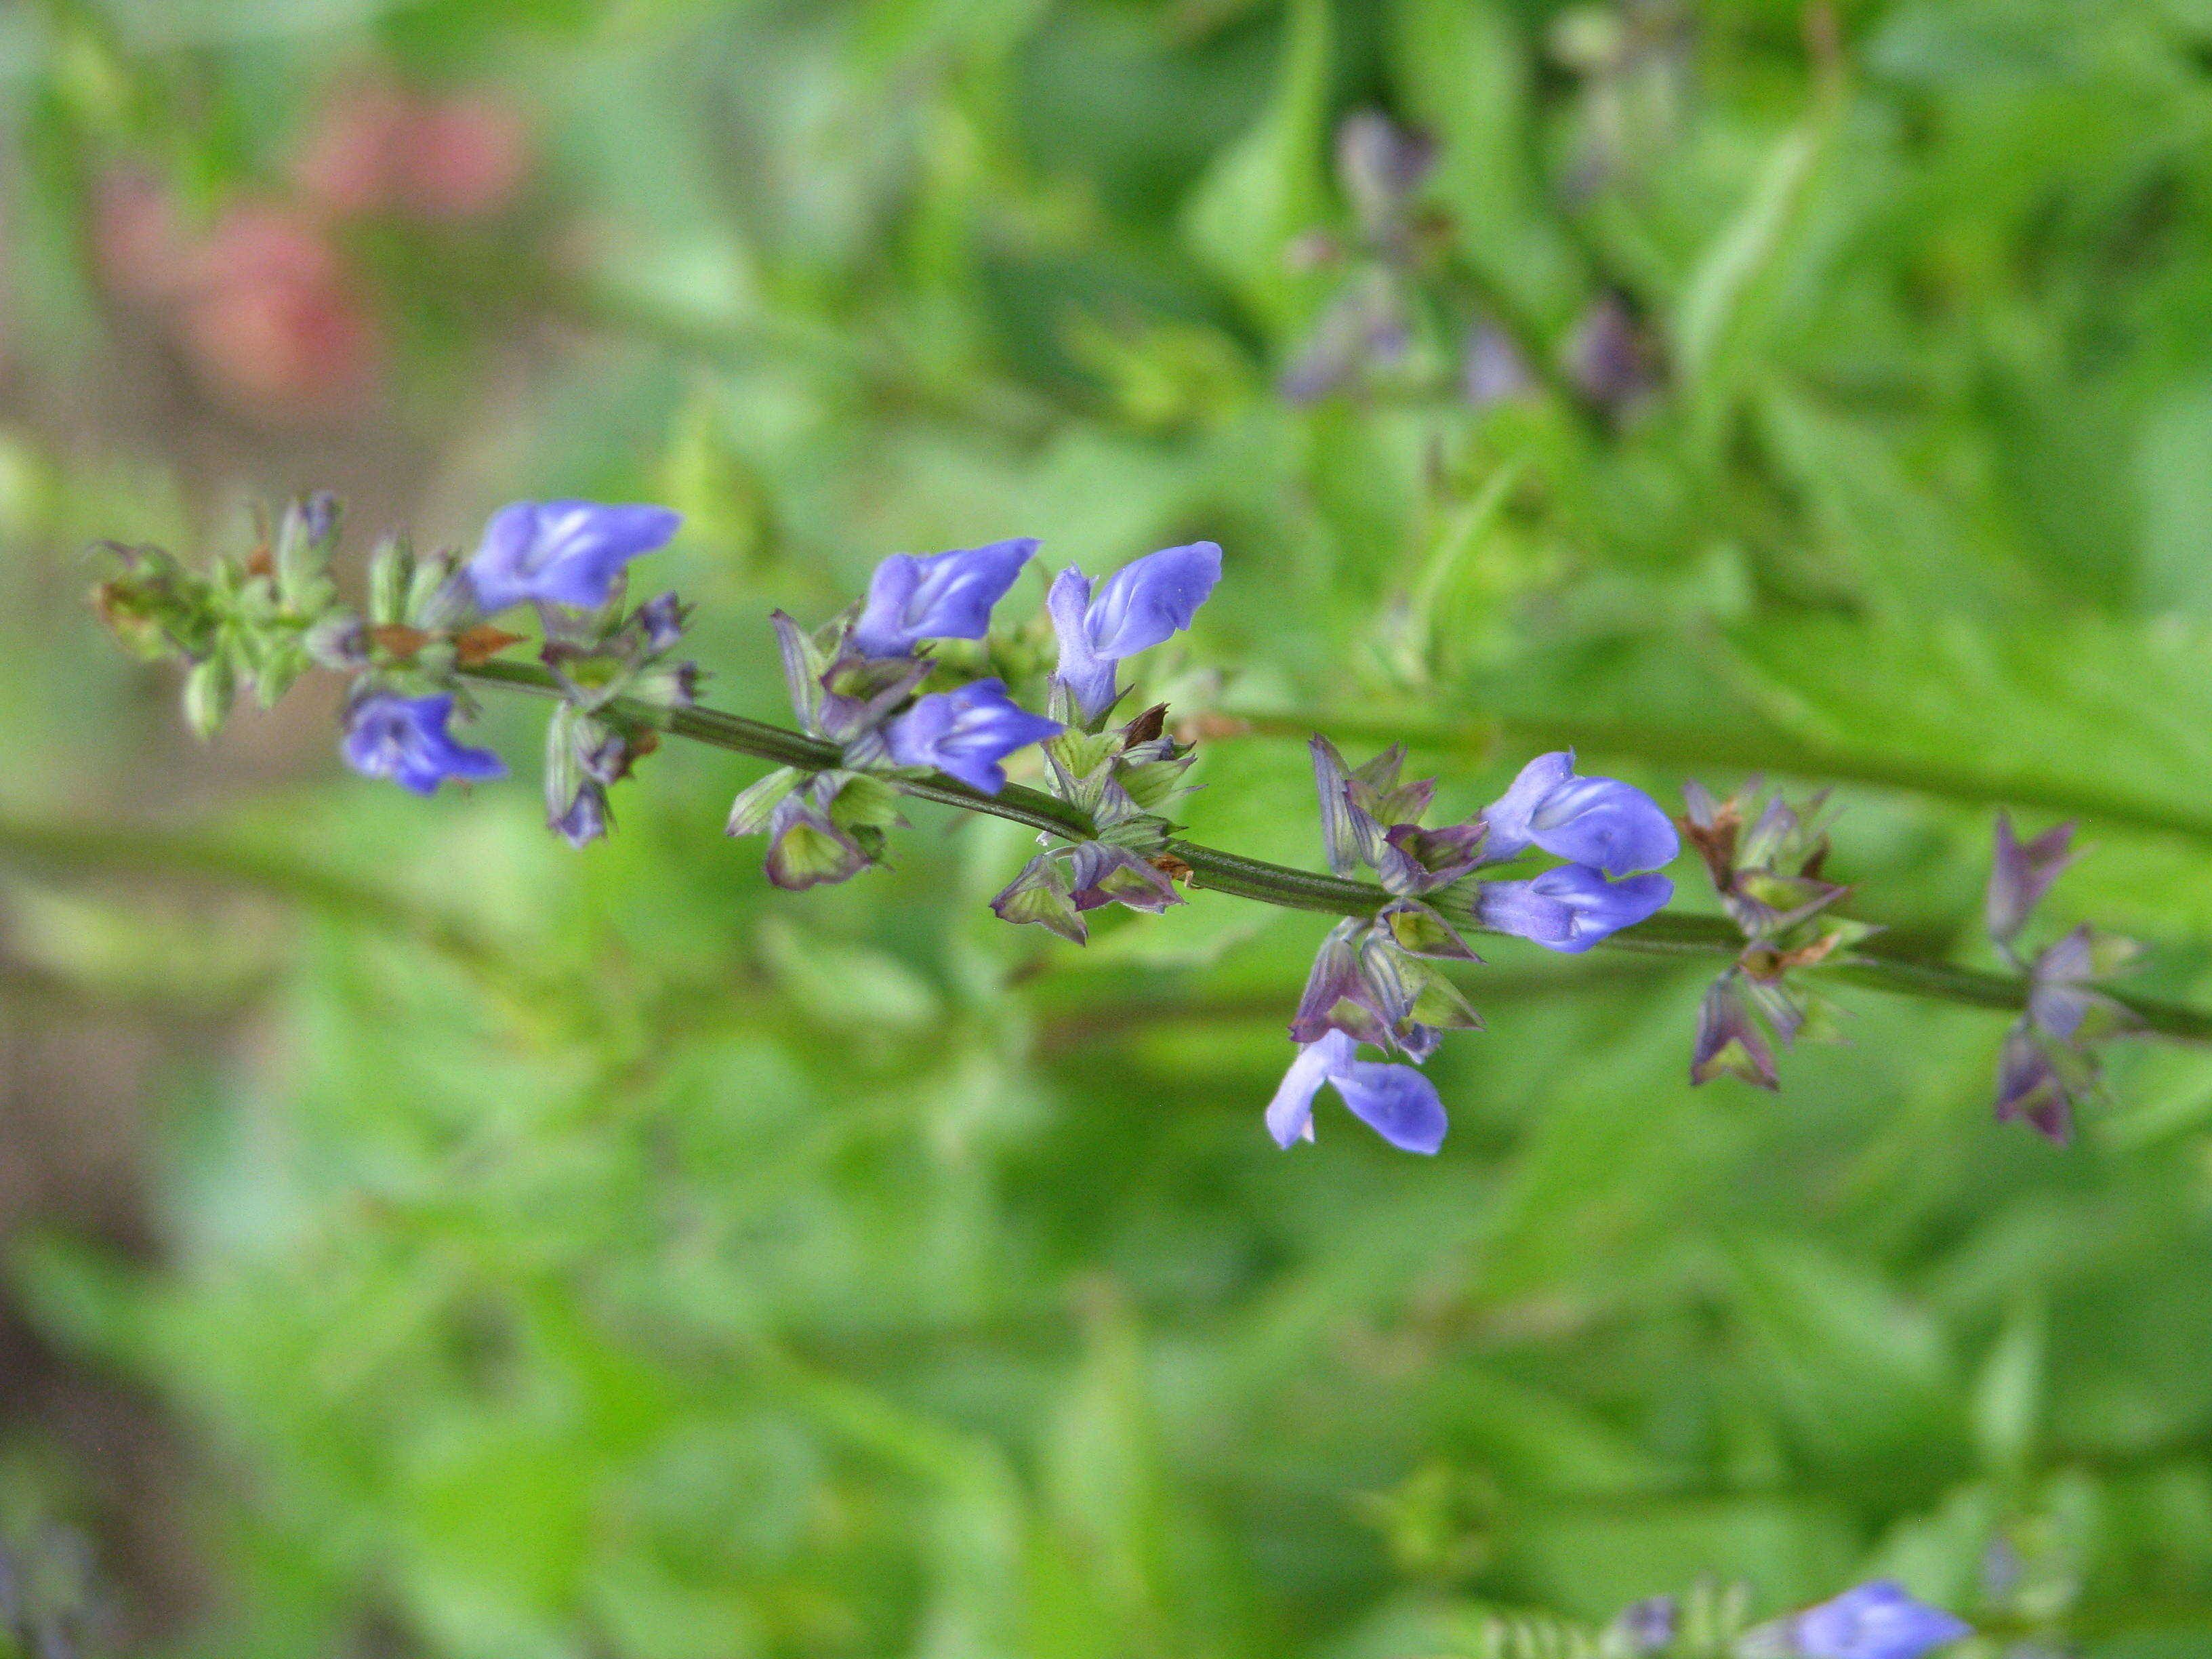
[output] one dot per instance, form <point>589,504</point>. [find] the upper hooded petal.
<point>1149,598</point>
<point>563,552</point>
<point>1509,815</point>
<point>939,596</point>
<point>1601,821</point>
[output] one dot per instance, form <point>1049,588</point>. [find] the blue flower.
<point>563,552</point>
<point>1397,1102</point>
<point>405,739</point>
<point>1598,821</point>
<point>1874,1621</point>
<point>1572,907</point>
<point>967,733</point>
<point>1139,606</point>
<point>942,596</point>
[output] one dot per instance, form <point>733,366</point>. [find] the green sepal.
<point>1764,903</point>
<point>862,678</point>
<point>1145,834</point>
<point>1421,932</point>
<point>756,803</point>
<point>2109,952</point>
<point>437,596</point>
<point>1733,1059</point>
<point>1081,754</point>
<point>1440,1003</point>
<point>863,802</point>
<point>564,772</point>
<point>807,855</point>
<point>1042,894</point>
<point>1153,783</point>
<point>2105,1019</point>
<point>280,662</point>
<point>302,560</point>
<point>210,689</point>
<point>391,577</point>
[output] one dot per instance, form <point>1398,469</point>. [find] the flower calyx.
<point>2048,1064</point>
<point>1768,877</point>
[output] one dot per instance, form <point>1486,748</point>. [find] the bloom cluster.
<point>908,692</point>
<point>895,696</point>
<point>863,683</point>
<point>263,620</point>
<point>1373,979</point>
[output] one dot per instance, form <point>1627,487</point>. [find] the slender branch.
<point>1756,751</point>
<point>1240,877</point>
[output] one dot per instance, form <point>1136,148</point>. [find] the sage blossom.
<point>1397,1102</point>
<point>563,552</point>
<point>405,739</point>
<point>1139,606</point>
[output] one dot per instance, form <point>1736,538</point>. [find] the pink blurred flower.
<point>379,149</point>
<point>260,301</point>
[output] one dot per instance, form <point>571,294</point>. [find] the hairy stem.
<point>1672,934</point>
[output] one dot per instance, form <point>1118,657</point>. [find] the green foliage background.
<point>551,1255</point>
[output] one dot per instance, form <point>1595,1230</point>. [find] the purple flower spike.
<point>405,739</point>
<point>942,596</point>
<point>2021,873</point>
<point>1572,907</point>
<point>1598,821</point>
<point>563,552</point>
<point>967,733</point>
<point>1397,1102</point>
<point>1874,1621</point>
<point>1139,606</point>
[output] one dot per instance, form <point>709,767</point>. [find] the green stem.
<point>1752,751</point>
<point>1232,873</point>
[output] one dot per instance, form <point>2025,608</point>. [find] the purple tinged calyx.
<point>1729,1041</point>
<point>2020,874</point>
<point>2047,1064</point>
